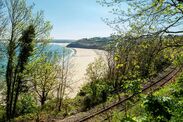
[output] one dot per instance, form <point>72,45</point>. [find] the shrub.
<point>119,117</point>
<point>128,119</point>
<point>178,91</point>
<point>26,117</point>
<point>50,105</point>
<point>159,107</point>
<point>26,105</point>
<point>94,93</point>
<point>87,103</point>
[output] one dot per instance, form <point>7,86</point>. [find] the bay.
<point>51,48</point>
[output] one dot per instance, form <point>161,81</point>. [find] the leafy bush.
<point>94,93</point>
<point>26,117</point>
<point>159,107</point>
<point>128,119</point>
<point>26,105</point>
<point>49,105</point>
<point>119,117</point>
<point>87,102</point>
<point>178,91</point>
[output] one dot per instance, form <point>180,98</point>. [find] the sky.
<point>75,19</point>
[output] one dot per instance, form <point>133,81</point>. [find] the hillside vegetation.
<point>91,43</point>
<point>149,39</point>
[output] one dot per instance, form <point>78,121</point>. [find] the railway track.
<point>102,113</point>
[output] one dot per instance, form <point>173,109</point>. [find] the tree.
<point>26,49</point>
<point>19,16</point>
<point>63,73</point>
<point>15,87</point>
<point>143,18</point>
<point>152,16</point>
<point>43,77</point>
<point>48,77</point>
<point>96,91</point>
<point>149,33</point>
<point>145,26</point>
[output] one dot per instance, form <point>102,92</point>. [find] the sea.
<point>50,48</point>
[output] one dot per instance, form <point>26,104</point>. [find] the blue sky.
<point>75,19</point>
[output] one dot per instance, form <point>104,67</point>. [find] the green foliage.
<point>178,111</point>
<point>145,17</point>
<point>26,50</point>
<point>128,119</point>
<point>22,30</point>
<point>159,107</point>
<point>97,90</point>
<point>49,106</point>
<point>163,108</point>
<point>178,92</point>
<point>132,86</point>
<point>43,75</point>
<point>179,59</point>
<point>135,57</point>
<point>94,93</point>
<point>100,87</point>
<point>26,45</point>
<point>118,117</point>
<point>164,105</point>
<point>26,105</point>
<point>144,48</point>
<point>26,117</point>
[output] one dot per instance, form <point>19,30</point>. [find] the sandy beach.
<point>80,62</point>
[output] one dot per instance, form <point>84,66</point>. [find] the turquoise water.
<point>51,49</point>
<point>58,49</point>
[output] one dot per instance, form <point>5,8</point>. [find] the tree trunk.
<point>43,99</point>
<point>9,77</point>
